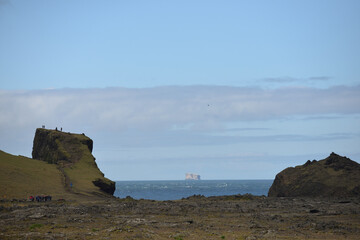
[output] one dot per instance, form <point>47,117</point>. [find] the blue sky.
<point>225,89</point>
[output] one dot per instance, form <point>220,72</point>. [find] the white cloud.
<point>169,107</point>
<point>177,125</point>
<point>172,116</point>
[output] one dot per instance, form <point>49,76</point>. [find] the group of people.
<point>40,198</point>
<point>56,129</point>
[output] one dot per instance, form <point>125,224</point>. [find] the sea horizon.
<point>178,189</point>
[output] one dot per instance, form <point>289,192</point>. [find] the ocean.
<point>177,189</point>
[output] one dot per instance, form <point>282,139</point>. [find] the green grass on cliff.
<point>83,169</point>
<point>66,170</point>
<point>83,172</point>
<point>72,153</point>
<point>21,177</point>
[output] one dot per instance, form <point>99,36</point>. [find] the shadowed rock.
<point>53,146</point>
<point>106,186</point>
<point>334,176</point>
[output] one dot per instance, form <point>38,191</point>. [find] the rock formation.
<point>334,176</point>
<point>191,176</point>
<point>72,154</point>
<point>54,146</point>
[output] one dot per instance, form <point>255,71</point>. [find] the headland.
<point>82,205</point>
<point>62,167</point>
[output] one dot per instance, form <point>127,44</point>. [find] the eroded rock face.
<point>53,146</point>
<point>334,176</point>
<point>71,152</point>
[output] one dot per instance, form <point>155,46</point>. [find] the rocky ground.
<point>233,217</point>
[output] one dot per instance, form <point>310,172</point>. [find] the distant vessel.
<point>191,176</point>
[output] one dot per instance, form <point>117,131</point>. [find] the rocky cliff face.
<point>334,176</point>
<point>54,146</point>
<point>72,154</point>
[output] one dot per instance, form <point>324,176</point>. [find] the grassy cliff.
<point>62,166</point>
<point>72,155</point>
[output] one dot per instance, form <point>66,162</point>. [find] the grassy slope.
<point>21,177</point>
<point>84,171</point>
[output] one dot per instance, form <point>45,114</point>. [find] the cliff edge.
<point>334,176</point>
<point>72,154</point>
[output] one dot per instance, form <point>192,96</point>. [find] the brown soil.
<point>234,217</point>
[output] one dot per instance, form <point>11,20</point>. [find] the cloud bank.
<point>173,129</point>
<point>174,107</point>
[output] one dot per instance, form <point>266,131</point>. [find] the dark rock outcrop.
<point>53,146</point>
<point>334,176</point>
<point>72,154</point>
<point>105,185</point>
